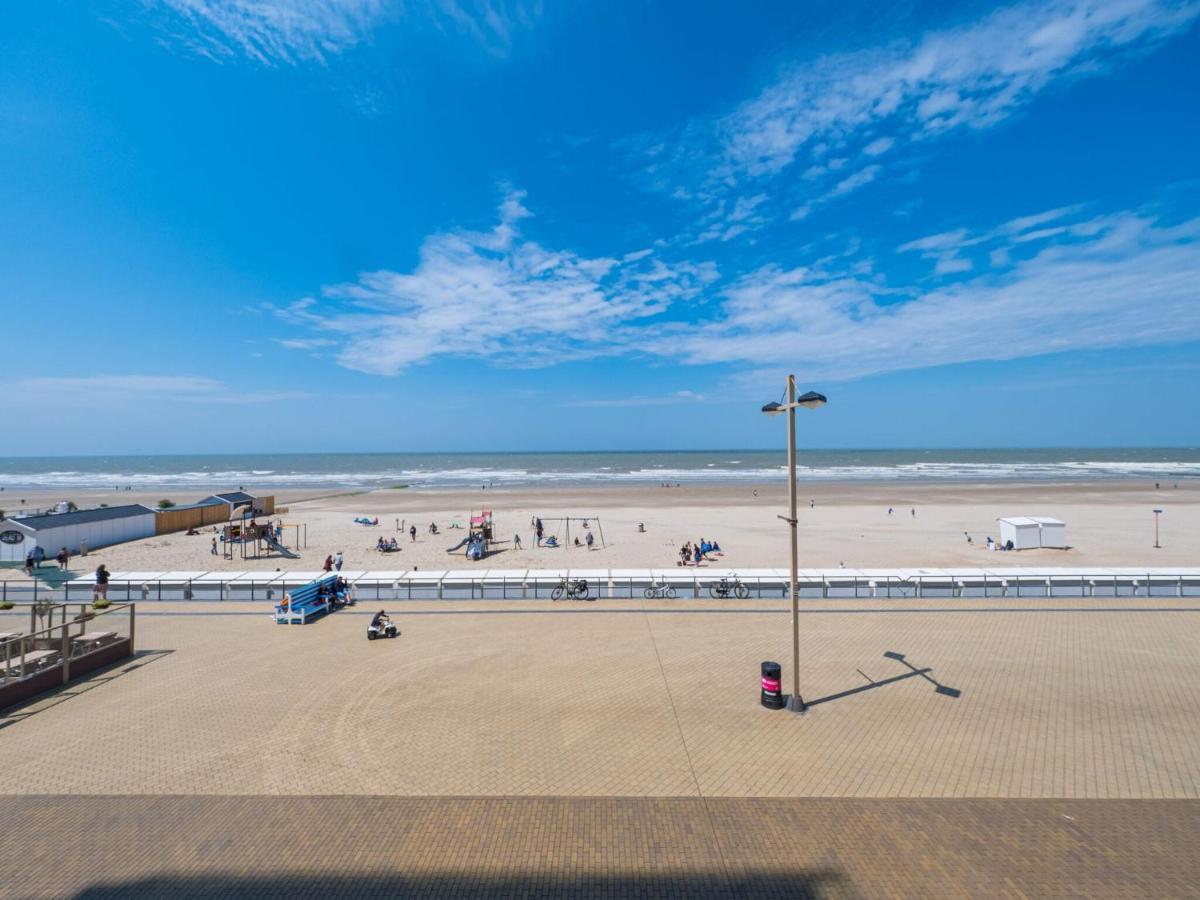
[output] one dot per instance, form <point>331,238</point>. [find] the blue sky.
<point>258,225</point>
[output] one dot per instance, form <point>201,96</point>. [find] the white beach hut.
<point>91,528</point>
<point>1053,532</point>
<point>1023,531</point>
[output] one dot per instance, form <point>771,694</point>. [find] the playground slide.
<point>459,545</point>
<point>279,548</point>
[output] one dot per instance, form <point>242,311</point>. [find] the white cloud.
<point>970,76</point>
<point>173,388</point>
<point>1123,280</point>
<point>879,146</point>
<point>822,111</point>
<point>498,296</point>
<point>855,181</point>
<point>291,31</point>
<point>277,30</point>
<point>624,402</point>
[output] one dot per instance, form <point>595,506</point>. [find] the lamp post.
<point>1157,513</point>
<point>810,400</point>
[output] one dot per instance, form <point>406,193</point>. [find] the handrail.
<point>624,583</point>
<point>25,645</point>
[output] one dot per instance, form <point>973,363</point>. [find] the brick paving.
<point>119,847</point>
<point>613,753</point>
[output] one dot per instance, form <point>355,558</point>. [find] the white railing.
<point>514,584</point>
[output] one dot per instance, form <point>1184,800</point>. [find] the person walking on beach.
<point>516,542</point>
<point>100,590</point>
<point>538,530</point>
<point>328,566</point>
<point>214,546</point>
<point>338,560</point>
<point>589,540</point>
<point>412,532</point>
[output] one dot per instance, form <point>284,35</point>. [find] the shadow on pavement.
<point>480,886</point>
<point>102,676</point>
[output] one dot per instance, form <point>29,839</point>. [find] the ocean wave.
<point>205,480</point>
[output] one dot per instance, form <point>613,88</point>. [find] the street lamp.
<point>810,400</point>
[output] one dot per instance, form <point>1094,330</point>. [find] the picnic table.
<point>92,639</point>
<point>35,660</point>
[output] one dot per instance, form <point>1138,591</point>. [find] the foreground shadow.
<point>481,886</point>
<point>871,684</point>
<point>61,694</point>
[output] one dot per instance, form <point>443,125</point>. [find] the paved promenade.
<point>536,749</point>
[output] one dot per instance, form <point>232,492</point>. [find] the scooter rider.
<point>381,620</point>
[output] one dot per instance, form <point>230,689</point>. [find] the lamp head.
<point>811,400</point>
<point>773,409</point>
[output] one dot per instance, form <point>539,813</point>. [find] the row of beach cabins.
<point>81,531</point>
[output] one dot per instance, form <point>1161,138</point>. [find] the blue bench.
<point>306,603</point>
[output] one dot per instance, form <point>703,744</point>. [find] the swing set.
<point>584,526</point>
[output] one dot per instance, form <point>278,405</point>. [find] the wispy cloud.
<point>181,388</point>
<point>293,31</point>
<point>861,108</point>
<point>625,402</point>
<point>1120,280</point>
<point>497,296</point>
<point>946,247</point>
<point>1063,283</point>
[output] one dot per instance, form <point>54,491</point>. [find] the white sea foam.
<point>198,479</point>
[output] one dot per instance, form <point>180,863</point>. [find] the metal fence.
<point>539,584</point>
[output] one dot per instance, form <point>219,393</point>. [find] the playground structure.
<point>583,529</point>
<point>250,537</point>
<point>478,537</point>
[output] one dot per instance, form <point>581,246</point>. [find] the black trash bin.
<point>772,689</point>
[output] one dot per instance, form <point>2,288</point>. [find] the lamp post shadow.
<point>914,672</point>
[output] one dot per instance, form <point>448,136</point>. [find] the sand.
<point>1108,524</point>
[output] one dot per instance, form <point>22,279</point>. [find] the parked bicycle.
<point>576,589</point>
<point>723,588</point>
<point>660,591</point>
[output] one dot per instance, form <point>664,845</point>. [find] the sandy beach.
<point>1108,524</point>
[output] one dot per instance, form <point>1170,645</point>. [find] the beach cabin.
<point>236,503</point>
<point>1024,532</point>
<point>86,529</point>
<point>1052,532</point>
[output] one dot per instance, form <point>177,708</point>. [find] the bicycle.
<point>572,590</point>
<point>660,591</point>
<point>723,588</point>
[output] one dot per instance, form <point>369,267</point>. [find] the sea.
<point>512,470</point>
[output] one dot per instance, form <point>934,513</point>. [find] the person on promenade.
<point>29,564</point>
<point>328,566</point>
<point>63,558</point>
<point>338,561</point>
<point>100,591</point>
